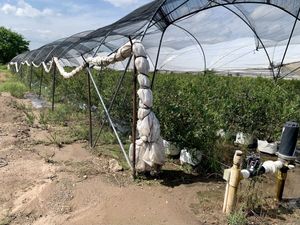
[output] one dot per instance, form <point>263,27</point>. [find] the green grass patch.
<point>15,88</point>
<point>237,218</point>
<point>114,151</point>
<point>3,68</point>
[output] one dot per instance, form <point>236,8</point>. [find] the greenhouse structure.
<point>245,37</point>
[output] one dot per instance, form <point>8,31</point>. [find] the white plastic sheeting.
<point>266,147</point>
<point>170,149</point>
<point>64,73</point>
<point>149,146</point>
<point>46,69</point>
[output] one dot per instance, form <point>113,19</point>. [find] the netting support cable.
<point>198,42</point>
<point>288,44</point>
<point>99,46</point>
<point>89,105</point>
<point>108,117</point>
<point>163,18</point>
<point>150,21</point>
<point>157,58</point>
<point>285,75</point>
<point>117,89</point>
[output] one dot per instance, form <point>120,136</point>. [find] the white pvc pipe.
<point>269,166</point>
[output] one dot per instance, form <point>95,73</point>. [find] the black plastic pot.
<point>288,141</point>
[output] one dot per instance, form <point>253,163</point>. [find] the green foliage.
<point>15,88</point>
<point>30,117</point>
<point>3,68</point>
<point>11,44</point>
<point>260,107</point>
<point>185,113</point>
<point>237,218</point>
<point>190,108</point>
<point>61,115</point>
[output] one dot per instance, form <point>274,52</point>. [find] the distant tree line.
<point>11,44</point>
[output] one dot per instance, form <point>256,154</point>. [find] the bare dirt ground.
<point>43,184</point>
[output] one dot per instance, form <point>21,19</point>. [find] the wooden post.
<point>233,183</point>
<point>281,176</point>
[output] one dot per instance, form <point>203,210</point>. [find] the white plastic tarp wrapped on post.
<point>149,146</point>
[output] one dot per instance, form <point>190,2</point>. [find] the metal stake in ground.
<point>113,100</point>
<point>134,117</point>
<point>41,82</point>
<point>30,77</point>
<point>53,85</point>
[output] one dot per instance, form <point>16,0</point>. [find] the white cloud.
<point>8,9</point>
<point>44,21</point>
<point>23,9</point>
<point>124,3</point>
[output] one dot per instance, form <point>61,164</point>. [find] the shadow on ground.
<point>173,178</point>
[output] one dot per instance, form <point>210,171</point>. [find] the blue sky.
<point>43,21</point>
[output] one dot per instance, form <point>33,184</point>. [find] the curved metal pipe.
<point>261,42</point>
<point>204,57</point>
<point>157,57</point>
<point>288,44</point>
<point>224,4</point>
<point>148,25</point>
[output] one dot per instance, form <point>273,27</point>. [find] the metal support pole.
<point>113,99</point>
<point>21,71</point>
<point>27,72</point>
<point>30,77</point>
<point>53,85</point>
<point>157,57</point>
<point>108,117</point>
<point>134,117</point>
<point>90,111</point>
<point>41,82</point>
<point>288,44</point>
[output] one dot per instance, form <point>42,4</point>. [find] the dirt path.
<point>43,184</point>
